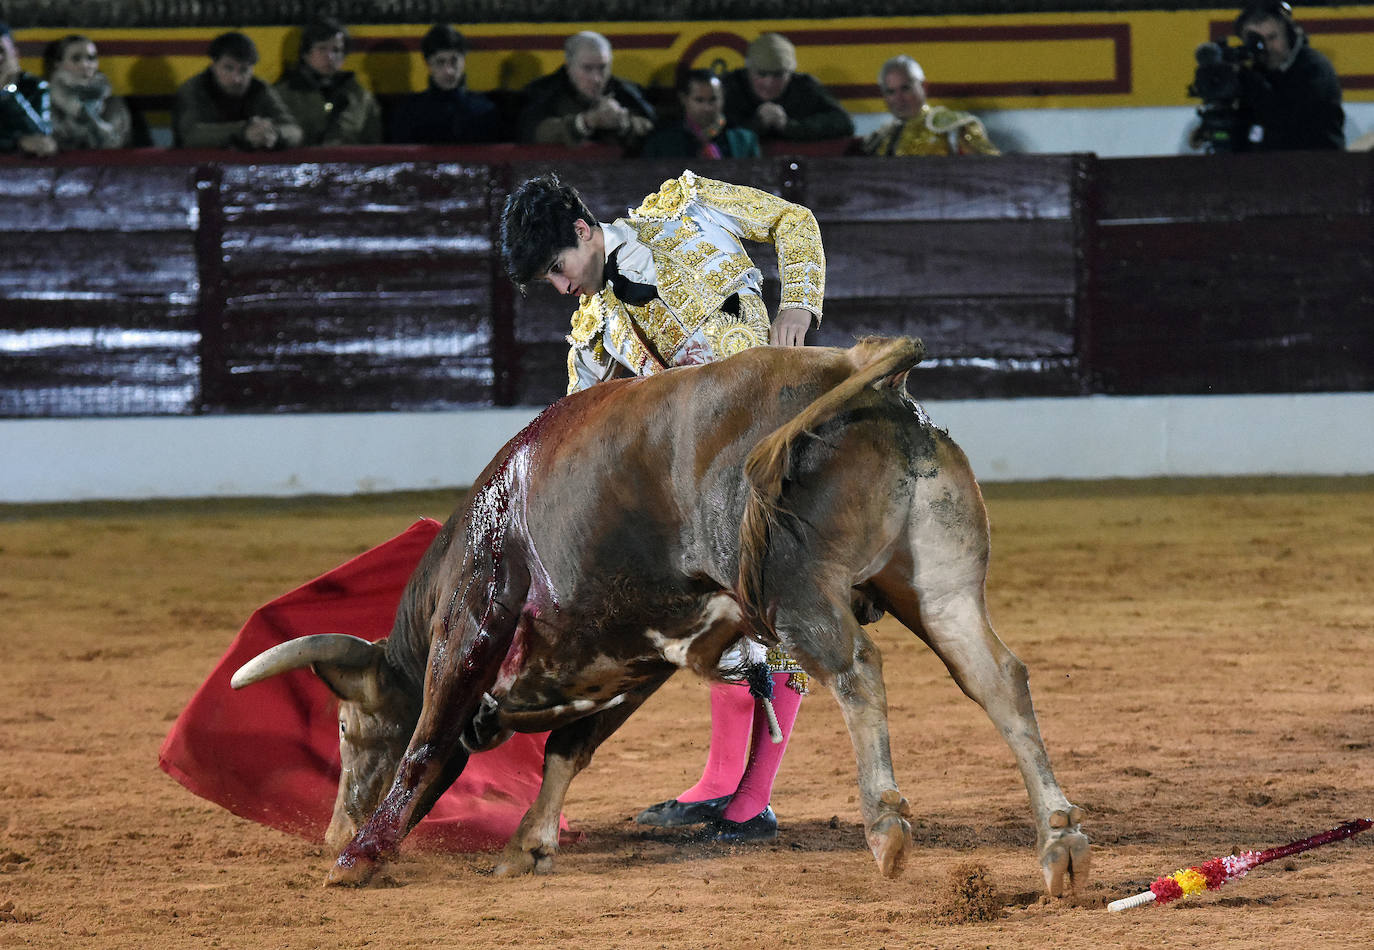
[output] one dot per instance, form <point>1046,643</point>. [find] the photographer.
<point>1287,96</point>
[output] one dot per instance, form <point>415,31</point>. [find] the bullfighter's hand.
<point>789,329</point>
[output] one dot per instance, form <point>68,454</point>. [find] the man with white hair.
<point>582,102</point>
<point>917,127</point>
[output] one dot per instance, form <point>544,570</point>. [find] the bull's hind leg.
<point>822,633</point>
<point>568,751</point>
<point>938,593</point>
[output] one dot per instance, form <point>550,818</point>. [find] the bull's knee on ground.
<point>355,872</point>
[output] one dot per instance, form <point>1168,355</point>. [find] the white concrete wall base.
<point>46,460</point>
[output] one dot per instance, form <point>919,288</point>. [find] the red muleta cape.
<point>270,752</point>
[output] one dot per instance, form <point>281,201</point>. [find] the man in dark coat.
<point>770,97</point>
<point>25,108</point>
<point>582,102</point>
<point>447,112</point>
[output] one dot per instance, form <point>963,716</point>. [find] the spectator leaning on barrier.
<point>702,132</point>
<point>85,112</point>
<point>917,127</point>
<point>582,102</point>
<point>771,98</point>
<point>330,105</point>
<point>227,106</point>
<point>447,112</point>
<point>25,112</point>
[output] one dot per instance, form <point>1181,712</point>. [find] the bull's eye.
<point>343,729</point>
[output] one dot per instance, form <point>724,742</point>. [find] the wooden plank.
<point>1216,280</point>
<point>1226,366</point>
<point>96,199</point>
<point>114,265</point>
<point>1234,187</point>
<point>1013,187</point>
<point>419,352</point>
<point>943,259</point>
<point>1010,328</point>
<point>341,188</point>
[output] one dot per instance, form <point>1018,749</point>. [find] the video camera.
<point>1221,80</point>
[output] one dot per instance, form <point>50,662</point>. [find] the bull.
<point>646,525</point>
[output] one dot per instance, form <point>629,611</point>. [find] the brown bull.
<point>641,527</point>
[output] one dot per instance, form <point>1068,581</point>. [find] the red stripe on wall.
<point>367,44</point>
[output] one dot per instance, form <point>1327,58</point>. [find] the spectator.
<point>330,105</point>
<point>446,113</point>
<point>702,132</point>
<point>917,127</point>
<point>1291,99</point>
<point>770,97</point>
<point>85,113</point>
<point>582,102</point>
<point>227,106</point>
<point>25,112</point>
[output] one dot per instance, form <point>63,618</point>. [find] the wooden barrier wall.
<point>367,280</point>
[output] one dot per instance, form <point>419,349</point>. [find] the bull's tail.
<point>878,363</point>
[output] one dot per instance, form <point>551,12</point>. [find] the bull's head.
<point>377,716</point>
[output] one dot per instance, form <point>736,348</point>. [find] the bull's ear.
<point>362,685</point>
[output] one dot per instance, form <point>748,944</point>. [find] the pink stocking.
<point>765,758</point>
<point>732,713</point>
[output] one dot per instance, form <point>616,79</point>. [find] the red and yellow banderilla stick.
<point>1214,873</point>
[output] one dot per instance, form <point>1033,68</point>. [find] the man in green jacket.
<point>329,103</point>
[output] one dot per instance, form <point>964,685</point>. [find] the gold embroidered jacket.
<point>936,131</point>
<point>687,241</point>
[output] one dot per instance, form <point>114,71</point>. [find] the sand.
<point>1199,654</point>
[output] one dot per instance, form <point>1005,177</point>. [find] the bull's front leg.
<point>460,669</point>
<point>568,751</point>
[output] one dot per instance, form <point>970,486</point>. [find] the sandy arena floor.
<point>1200,656</point>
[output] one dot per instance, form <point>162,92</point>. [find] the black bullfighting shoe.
<point>762,827</point>
<point>676,814</point>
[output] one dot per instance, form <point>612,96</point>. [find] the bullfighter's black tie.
<point>629,291</point>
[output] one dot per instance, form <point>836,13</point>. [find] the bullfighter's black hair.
<point>537,223</point>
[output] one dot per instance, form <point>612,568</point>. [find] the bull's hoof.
<point>351,872</point>
<point>890,835</point>
<point>517,861</point>
<point>1066,856</point>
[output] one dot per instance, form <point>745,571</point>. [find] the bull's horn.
<point>338,649</point>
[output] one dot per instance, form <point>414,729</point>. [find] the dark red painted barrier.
<point>164,282</point>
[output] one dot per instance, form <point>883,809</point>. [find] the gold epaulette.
<point>942,119</point>
<point>587,321</point>
<point>671,197</point>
